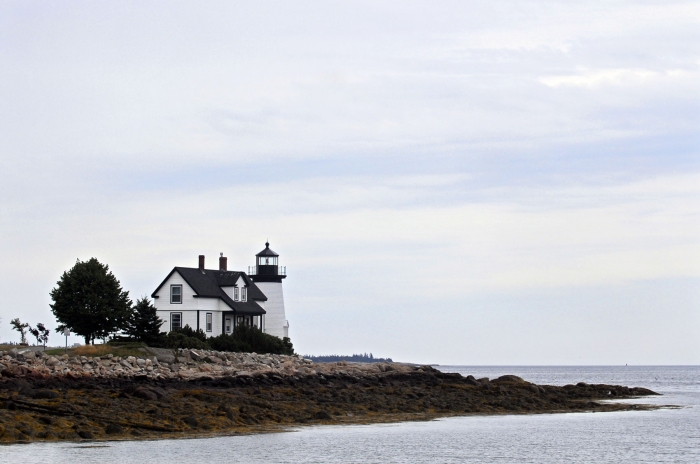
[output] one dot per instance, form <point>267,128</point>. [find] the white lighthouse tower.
<point>267,275</point>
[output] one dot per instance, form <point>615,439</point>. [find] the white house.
<point>218,300</point>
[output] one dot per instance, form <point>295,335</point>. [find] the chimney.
<point>222,262</point>
<point>201,262</point>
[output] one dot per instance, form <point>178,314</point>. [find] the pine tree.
<point>144,324</point>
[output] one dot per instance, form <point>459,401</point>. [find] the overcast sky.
<point>471,182</point>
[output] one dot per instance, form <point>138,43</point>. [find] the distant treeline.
<point>362,358</point>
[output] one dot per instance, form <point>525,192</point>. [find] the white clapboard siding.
<point>275,318</point>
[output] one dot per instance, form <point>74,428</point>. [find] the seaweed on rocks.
<point>249,393</point>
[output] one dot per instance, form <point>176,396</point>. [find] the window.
<point>175,321</point>
<point>175,294</point>
<point>267,260</point>
<point>244,294</point>
<point>235,293</point>
<point>228,325</point>
<point>209,322</point>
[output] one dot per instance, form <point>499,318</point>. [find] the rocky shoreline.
<point>167,394</point>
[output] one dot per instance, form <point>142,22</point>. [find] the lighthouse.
<point>267,275</point>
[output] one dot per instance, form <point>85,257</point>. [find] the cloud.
<point>618,77</point>
<point>438,155</point>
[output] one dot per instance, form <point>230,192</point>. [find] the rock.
<point>213,360</point>
<point>145,393</point>
<point>46,420</point>
<point>44,395</point>
<point>13,353</point>
<point>322,415</point>
<point>471,380</point>
<point>508,378</point>
<point>85,435</point>
<point>113,429</point>
<point>141,362</point>
<point>163,355</point>
<point>191,421</point>
<point>52,361</point>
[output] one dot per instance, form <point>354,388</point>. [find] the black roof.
<point>267,251</point>
<point>207,283</point>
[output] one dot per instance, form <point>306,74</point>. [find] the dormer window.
<point>235,293</point>
<point>176,294</point>
<point>244,294</point>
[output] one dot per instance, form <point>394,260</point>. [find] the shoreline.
<point>209,394</point>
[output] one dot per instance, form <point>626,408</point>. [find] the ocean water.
<point>664,435</point>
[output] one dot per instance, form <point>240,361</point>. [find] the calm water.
<point>666,435</point>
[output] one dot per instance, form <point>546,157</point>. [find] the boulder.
<point>145,393</point>
<point>213,359</point>
<point>44,394</point>
<point>471,380</point>
<point>52,361</point>
<point>85,435</point>
<point>508,379</point>
<point>162,355</point>
<point>113,429</point>
<point>13,352</point>
<point>191,421</point>
<point>322,415</point>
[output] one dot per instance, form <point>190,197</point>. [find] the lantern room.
<point>266,263</point>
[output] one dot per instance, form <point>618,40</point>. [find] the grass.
<point>4,347</point>
<point>123,350</point>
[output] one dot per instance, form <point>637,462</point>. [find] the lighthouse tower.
<point>267,275</point>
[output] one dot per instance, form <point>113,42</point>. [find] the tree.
<point>144,324</point>
<point>20,327</point>
<point>89,300</point>
<point>41,333</point>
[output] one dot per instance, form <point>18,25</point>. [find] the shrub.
<point>190,332</point>
<point>251,339</point>
<point>185,337</point>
